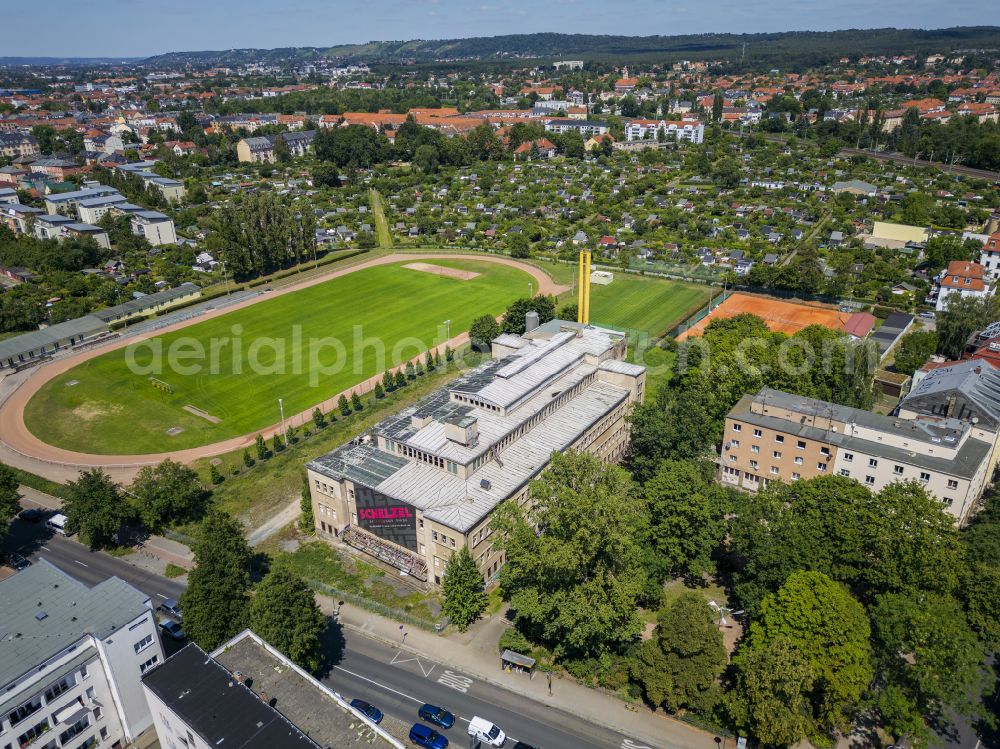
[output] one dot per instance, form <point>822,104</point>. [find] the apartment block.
<point>777,436</point>
<point>71,659</point>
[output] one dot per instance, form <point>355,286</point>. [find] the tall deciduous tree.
<point>821,619</point>
<point>95,508</point>
<point>770,695</point>
<point>576,581</point>
<point>283,612</point>
<point>216,599</point>
<point>168,492</point>
<point>464,599</point>
<point>685,519</point>
<point>484,329</point>
<point>10,498</point>
<point>679,666</point>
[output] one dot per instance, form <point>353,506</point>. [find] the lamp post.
<point>281,406</point>
<point>531,289</point>
<point>447,330</point>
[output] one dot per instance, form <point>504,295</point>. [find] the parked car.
<point>18,562</point>
<point>427,737</point>
<point>439,716</point>
<point>368,710</point>
<point>172,629</point>
<point>927,315</point>
<point>32,515</point>
<point>172,607</point>
<point>486,732</point>
<point>522,745</point>
<point>57,524</point>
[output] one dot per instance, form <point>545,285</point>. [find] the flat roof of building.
<point>43,611</point>
<point>312,707</point>
<point>47,337</point>
<point>217,707</point>
<point>532,402</point>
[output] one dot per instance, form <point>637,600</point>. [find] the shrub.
<point>512,639</point>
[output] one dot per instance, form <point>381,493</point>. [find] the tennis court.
<point>780,316</point>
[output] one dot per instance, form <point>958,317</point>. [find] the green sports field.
<point>103,406</point>
<point>647,305</point>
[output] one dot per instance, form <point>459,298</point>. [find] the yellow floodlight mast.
<point>583,289</point>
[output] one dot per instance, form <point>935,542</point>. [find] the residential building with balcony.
<point>777,436</point>
<point>71,659</point>
<point>426,481</point>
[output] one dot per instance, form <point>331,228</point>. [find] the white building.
<point>689,130</point>
<point>71,659</point>
<point>156,227</point>
<point>961,278</point>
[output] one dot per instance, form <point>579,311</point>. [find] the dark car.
<point>427,737</point>
<point>171,607</point>
<point>17,562</point>
<point>439,716</point>
<point>522,745</point>
<point>172,629</point>
<point>32,515</point>
<point>368,710</point>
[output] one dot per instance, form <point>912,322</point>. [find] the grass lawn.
<point>382,233</point>
<point>648,305</point>
<point>102,406</point>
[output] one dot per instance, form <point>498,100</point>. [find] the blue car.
<point>427,737</point>
<point>368,710</point>
<point>439,716</point>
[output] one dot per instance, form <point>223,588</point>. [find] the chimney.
<point>530,321</point>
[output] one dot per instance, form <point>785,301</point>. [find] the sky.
<point>135,29</point>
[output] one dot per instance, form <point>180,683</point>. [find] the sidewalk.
<point>474,653</point>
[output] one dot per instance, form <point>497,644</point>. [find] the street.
<point>399,682</point>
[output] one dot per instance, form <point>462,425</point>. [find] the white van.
<point>488,733</point>
<point>57,524</point>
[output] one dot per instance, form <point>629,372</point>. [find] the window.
<point>98,713</point>
<point>946,501</point>
<point>144,643</point>
<point>844,472</point>
<point>925,476</point>
<point>952,484</point>
<point>452,542</point>
<point>798,461</point>
<point>734,443</point>
<point>16,716</point>
<point>757,433</point>
<point>753,464</point>
<point>821,466</point>
<point>774,470</point>
<point>33,733</point>
<point>849,457</point>
<point>869,480</point>
<point>58,688</point>
<point>737,427</point>
<point>732,458</point>
<point>776,455</point>
<point>755,449</point>
<point>144,667</point>
<point>795,477</point>
<point>801,445</point>
<point>779,438</point>
<point>898,470</point>
<point>434,535</point>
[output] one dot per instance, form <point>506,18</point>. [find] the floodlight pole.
<point>447,330</point>
<point>281,406</point>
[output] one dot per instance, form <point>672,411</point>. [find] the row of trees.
<point>262,233</point>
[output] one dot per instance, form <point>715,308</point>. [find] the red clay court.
<point>783,317</point>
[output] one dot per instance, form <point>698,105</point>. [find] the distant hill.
<point>760,48</point>
<point>36,61</point>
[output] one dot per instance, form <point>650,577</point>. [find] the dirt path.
<point>275,523</point>
<point>22,449</point>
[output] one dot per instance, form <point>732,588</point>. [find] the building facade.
<point>961,278</point>
<point>425,482</point>
<point>689,130</point>
<point>71,660</point>
<point>777,436</point>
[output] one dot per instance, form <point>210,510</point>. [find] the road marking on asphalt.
<point>426,671</point>
<point>161,596</point>
<point>629,744</point>
<point>46,548</point>
<point>379,684</point>
<point>455,681</point>
<point>80,563</point>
